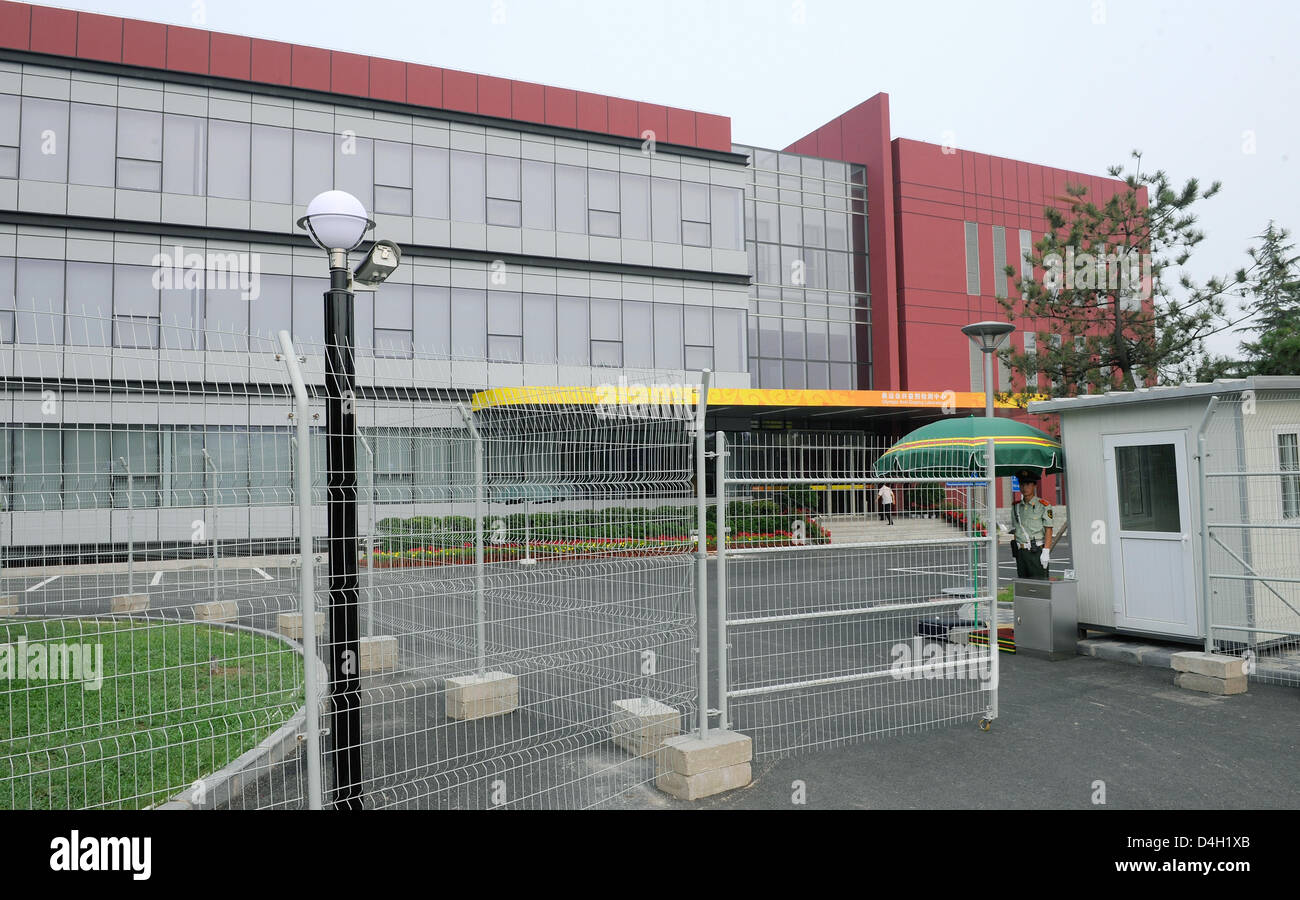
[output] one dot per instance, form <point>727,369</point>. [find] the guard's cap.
<point>1025,475</point>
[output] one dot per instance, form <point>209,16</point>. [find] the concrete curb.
<point>229,780</point>
<point>1136,654</point>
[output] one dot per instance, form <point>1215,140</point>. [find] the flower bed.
<point>587,548</point>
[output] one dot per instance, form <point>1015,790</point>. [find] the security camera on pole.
<point>337,223</point>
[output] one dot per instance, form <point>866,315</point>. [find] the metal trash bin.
<point>1046,617</point>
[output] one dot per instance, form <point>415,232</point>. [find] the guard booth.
<point>1185,513</point>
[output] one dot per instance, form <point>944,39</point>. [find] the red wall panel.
<point>230,56</point>
<point>144,44</point>
<point>494,96</point>
<point>99,37</point>
<point>622,117</point>
<point>681,126</point>
<point>593,112</point>
<point>349,74</point>
<point>561,107</point>
<point>424,85</point>
<point>54,31</point>
<point>654,118</point>
<point>527,102</point>
<point>387,79</point>
<point>311,68</point>
<point>460,90</point>
<point>272,62</point>
<point>187,49</point>
<point>15,25</point>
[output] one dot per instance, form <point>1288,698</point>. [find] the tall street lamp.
<point>337,223</point>
<point>988,337</point>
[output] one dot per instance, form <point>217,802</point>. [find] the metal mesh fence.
<point>151,561</point>
<point>145,545</point>
<point>852,625</point>
<point>1250,480</point>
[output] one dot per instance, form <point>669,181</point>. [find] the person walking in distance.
<point>886,497</point>
<point>1031,541</point>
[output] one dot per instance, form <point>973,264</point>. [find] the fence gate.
<point>839,626</point>
<point>1249,447</point>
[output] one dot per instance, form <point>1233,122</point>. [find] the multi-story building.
<point>549,236</point>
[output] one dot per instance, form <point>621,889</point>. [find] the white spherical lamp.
<point>336,220</point>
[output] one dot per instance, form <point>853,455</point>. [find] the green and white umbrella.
<point>953,446</point>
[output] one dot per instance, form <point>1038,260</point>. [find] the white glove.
<point>1045,557</point>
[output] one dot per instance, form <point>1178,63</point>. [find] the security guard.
<point>1031,541</point>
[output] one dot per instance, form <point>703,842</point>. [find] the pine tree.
<point>1273,293</point>
<point>1106,314</point>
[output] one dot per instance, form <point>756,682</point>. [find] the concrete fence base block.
<point>290,625</point>
<point>691,768</point>
<point>705,784</point>
<point>1215,665</point>
<point>378,654</point>
<point>1208,684</point>
<point>127,603</point>
<point>9,605</point>
<point>641,725</point>
<point>217,611</point>
<point>481,696</point>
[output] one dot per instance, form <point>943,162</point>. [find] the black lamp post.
<point>337,223</point>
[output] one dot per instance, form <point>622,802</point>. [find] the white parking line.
<point>43,583</point>
<point>263,574</point>
<point>157,577</point>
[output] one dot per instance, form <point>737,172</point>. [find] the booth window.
<point>1288,460</point>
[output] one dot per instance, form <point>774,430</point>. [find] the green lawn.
<point>177,702</point>
<point>1005,595</point>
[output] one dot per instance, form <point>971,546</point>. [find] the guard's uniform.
<point>1031,520</point>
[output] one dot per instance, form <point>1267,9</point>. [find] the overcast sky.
<point>1205,89</point>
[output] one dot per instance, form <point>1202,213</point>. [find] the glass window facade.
<point>804,222</point>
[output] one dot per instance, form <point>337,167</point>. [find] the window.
<point>38,468</point>
<point>44,139</point>
<point>606,333</point>
<point>726,224</point>
<point>1026,248</point>
<point>91,139</point>
<point>668,336</point>
<point>634,194</point>
<point>272,169</point>
<point>9,106</point>
<point>638,334</point>
<point>766,222</point>
<point>394,337</point>
<point>666,208</point>
<point>394,464</point>
<point>729,339</point>
<point>6,307</point>
<point>695,214</point>
<point>603,208</point>
<point>39,301</point>
<point>467,186</point>
<point>228,447</point>
<point>185,154</point>
<point>468,323</point>
<point>1147,484</point>
<point>392,178</point>
<point>972,259</point>
<point>1288,460</point>
<point>271,313</point>
<point>431,315</point>
<point>89,303</point>
<point>135,308</point>
<point>87,462</point>
<point>354,167</point>
<point>429,177</point>
<point>999,261</point>
<point>572,338</point>
<point>538,195</point>
<point>229,160</point>
<point>539,329</point>
<point>571,199</point>
<point>503,205</point>
<point>313,165</point>
<point>505,326</point>
<point>139,483</point>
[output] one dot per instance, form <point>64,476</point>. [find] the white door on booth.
<point>1151,532</point>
